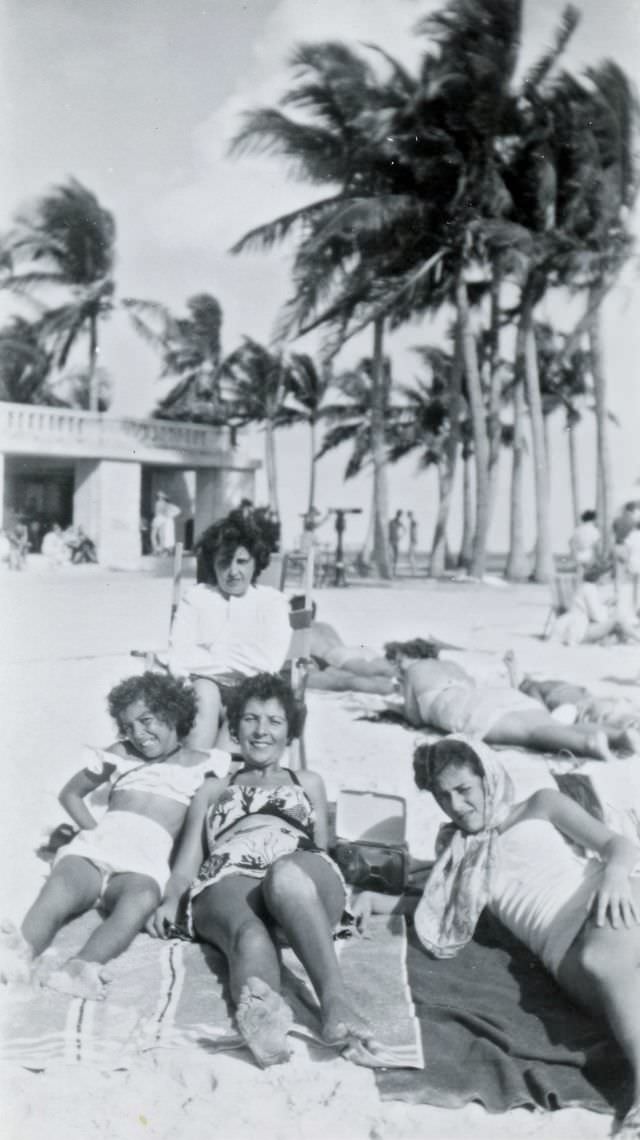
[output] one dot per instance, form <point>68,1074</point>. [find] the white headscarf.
<point>458,887</point>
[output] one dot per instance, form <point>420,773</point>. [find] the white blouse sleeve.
<point>187,652</point>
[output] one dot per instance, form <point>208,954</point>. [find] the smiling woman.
<point>226,627</point>
<point>252,861</point>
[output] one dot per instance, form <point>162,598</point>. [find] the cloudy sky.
<point>139,98</point>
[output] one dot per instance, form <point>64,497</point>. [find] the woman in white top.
<point>226,627</point>
<point>580,914</point>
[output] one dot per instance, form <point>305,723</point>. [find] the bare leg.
<point>336,680</point>
<point>203,734</point>
<point>130,899</point>
<point>305,896</point>
<point>601,971</point>
<point>540,731</point>
<point>230,914</point>
<point>72,888</point>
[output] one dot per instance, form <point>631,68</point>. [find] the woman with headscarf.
<point>580,914</point>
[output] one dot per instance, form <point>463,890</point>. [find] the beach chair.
<point>563,588</point>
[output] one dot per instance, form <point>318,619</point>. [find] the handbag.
<point>370,848</point>
<point>373,866</point>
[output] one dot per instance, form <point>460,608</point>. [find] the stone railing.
<point>31,426</point>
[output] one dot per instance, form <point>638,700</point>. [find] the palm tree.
<point>190,349</point>
<point>259,380</point>
<point>307,389</point>
<point>25,364</point>
<point>65,243</point>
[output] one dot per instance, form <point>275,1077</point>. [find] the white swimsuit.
<point>542,889</point>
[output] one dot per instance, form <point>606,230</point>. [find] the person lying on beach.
<point>226,627</point>
<point>335,667</point>
<point>574,704</point>
<point>122,862</point>
<point>441,695</point>
<point>251,862</point>
<point>580,914</point>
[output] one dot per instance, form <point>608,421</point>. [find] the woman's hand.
<point>614,900</point>
<point>163,918</point>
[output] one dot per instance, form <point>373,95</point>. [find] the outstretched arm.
<point>368,903</point>
<point>313,785</point>
<point>189,857</point>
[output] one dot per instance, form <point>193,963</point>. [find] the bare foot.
<point>597,746</point>
<point>79,979</point>
<point>629,741</point>
<point>630,1127</point>
<point>16,955</point>
<point>340,1023</point>
<point>264,1019</point>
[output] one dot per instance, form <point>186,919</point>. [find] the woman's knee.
<point>286,880</point>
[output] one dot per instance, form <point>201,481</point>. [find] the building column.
<point>219,490</point>
<point>2,506</point>
<point>106,503</point>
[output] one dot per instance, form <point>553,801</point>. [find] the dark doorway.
<point>41,491</point>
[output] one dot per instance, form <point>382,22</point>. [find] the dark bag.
<point>373,866</point>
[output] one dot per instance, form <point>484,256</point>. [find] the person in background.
<point>163,527</point>
<point>589,619</point>
<point>396,530</point>
<point>413,540</point>
<point>19,543</point>
<point>631,546</point>
<point>54,547</point>
<point>585,541</point>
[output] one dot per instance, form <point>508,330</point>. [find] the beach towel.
<point>169,995</point>
<point>496,1029</point>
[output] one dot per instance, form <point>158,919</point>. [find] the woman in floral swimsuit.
<point>257,846</point>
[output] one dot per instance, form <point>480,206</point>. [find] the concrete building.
<point>102,472</point>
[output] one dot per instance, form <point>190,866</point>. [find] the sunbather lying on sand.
<point>441,695</point>
<point>574,704</point>
<point>122,862</point>
<point>579,913</point>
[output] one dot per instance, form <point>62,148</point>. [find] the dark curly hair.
<point>418,647</point>
<point>171,699</point>
<point>264,687</point>
<point>221,540</point>
<point>430,760</point>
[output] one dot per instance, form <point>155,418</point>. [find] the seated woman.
<point>257,845</point>
<point>226,627</point>
<point>579,914</point>
<point>589,620</point>
<point>439,694</point>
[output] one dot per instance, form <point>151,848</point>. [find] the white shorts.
<point>124,842</point>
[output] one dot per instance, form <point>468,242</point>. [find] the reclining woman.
<point>226,627</point>
<point>252,862</point>
<point>580,915</point>
<point>441,695</point>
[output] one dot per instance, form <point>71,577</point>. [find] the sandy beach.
<point>66,640</point>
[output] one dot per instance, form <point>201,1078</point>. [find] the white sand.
<point>66,639</point>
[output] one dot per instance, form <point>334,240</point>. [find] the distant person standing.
<point>311,520</point>
<point>622,526</point>
<point>396,530</point>
<point>585,541</point>
<point>163,527</point>
<point>413,540</point>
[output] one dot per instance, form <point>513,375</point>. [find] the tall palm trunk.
<point>312,465</point>
<point>517,568</point>
<point>380,493</point>
<point>602,423</point>
<point>92,374</point>
<point>543,562</point>
<point>494,387</point>
<point>479,428</point>
<point>573,467</point>
<point>270,464</point>
<point>466,546</point>
<point>447,467</point>
<point>446,474</point>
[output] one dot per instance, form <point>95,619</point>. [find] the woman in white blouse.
<point>226,626</point>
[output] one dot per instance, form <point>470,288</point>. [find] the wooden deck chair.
<point>152,658</point>
<point>563,587</point>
